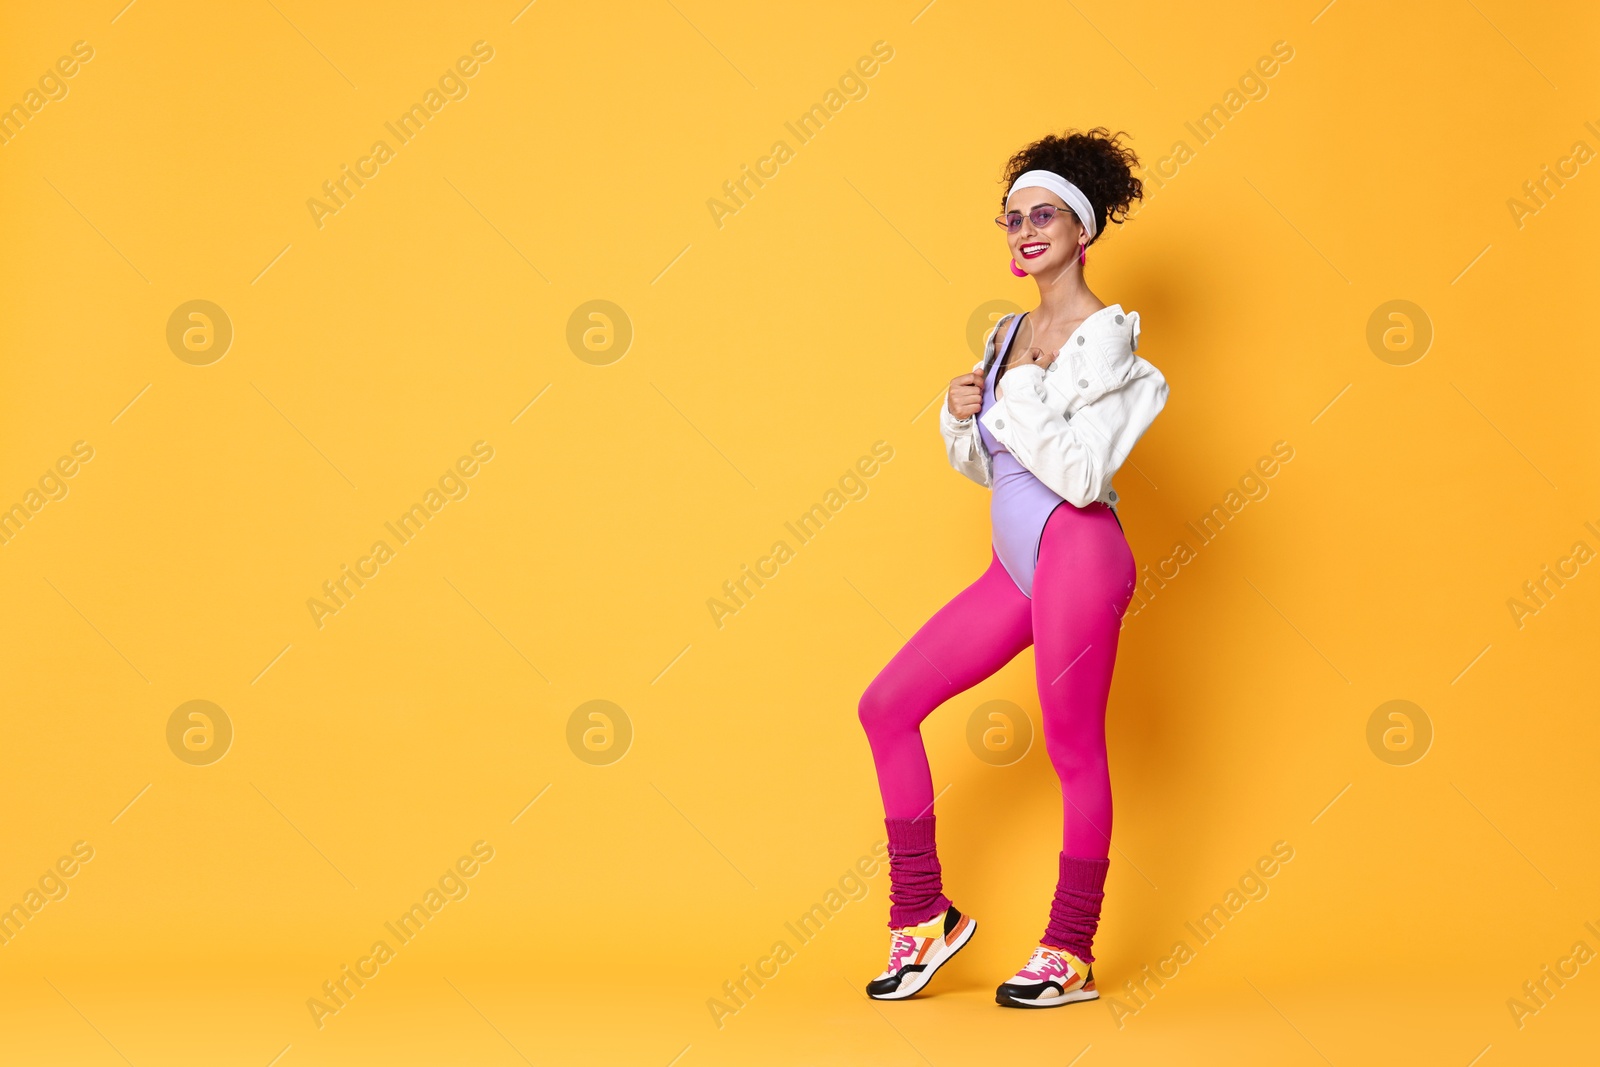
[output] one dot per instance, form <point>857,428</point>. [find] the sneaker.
<point>1050,979</point>
<point>916,952</point>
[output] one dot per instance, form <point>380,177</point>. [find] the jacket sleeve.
<point>1077,453</point>
<point>962,444</point>
<point>961,441</point>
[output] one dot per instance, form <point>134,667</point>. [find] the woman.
<point>1045,426</point>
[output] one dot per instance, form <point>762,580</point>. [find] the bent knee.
<point>873,711</point>
<point>883,710</point>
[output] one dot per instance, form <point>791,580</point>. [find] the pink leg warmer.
<point>1075,912</point>
<point>916,886</point>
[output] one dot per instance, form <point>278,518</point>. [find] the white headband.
<point>1045,179</point>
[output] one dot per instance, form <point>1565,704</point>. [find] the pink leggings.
<point>1081,587</point>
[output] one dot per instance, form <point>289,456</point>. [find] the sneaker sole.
<point>916,980</point>
<point>1075,997</point>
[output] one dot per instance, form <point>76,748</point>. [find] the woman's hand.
<point>1033,357</point>
<point>966,395</point>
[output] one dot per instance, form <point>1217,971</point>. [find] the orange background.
<point>765,356</point>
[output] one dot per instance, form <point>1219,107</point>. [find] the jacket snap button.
<point>1083,383</point>
<point>999,424</point>
<point>1080,340</point>
<point>1119,320</point>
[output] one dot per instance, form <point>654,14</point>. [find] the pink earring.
<point>1018,271</point>
<point>1083,254</point>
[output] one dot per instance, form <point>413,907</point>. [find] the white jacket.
<point>1073,423</point>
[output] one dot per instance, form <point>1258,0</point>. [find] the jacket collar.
<point>1109,344</point>
<point>1111,336</point>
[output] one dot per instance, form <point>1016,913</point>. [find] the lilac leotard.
<point>1020,504</point>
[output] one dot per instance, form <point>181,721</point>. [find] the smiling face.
<point>1048,249</point>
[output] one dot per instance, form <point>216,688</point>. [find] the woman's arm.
<point>962,444</point>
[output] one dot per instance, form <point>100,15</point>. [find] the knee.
<point>872,710</point>
<point>879,711</point>
<point>1078,757</point>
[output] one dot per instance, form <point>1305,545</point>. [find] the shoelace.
<point>1044,964</point>
<point>901,946</point>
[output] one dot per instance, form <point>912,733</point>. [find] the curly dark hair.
<point>1096,161</point>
